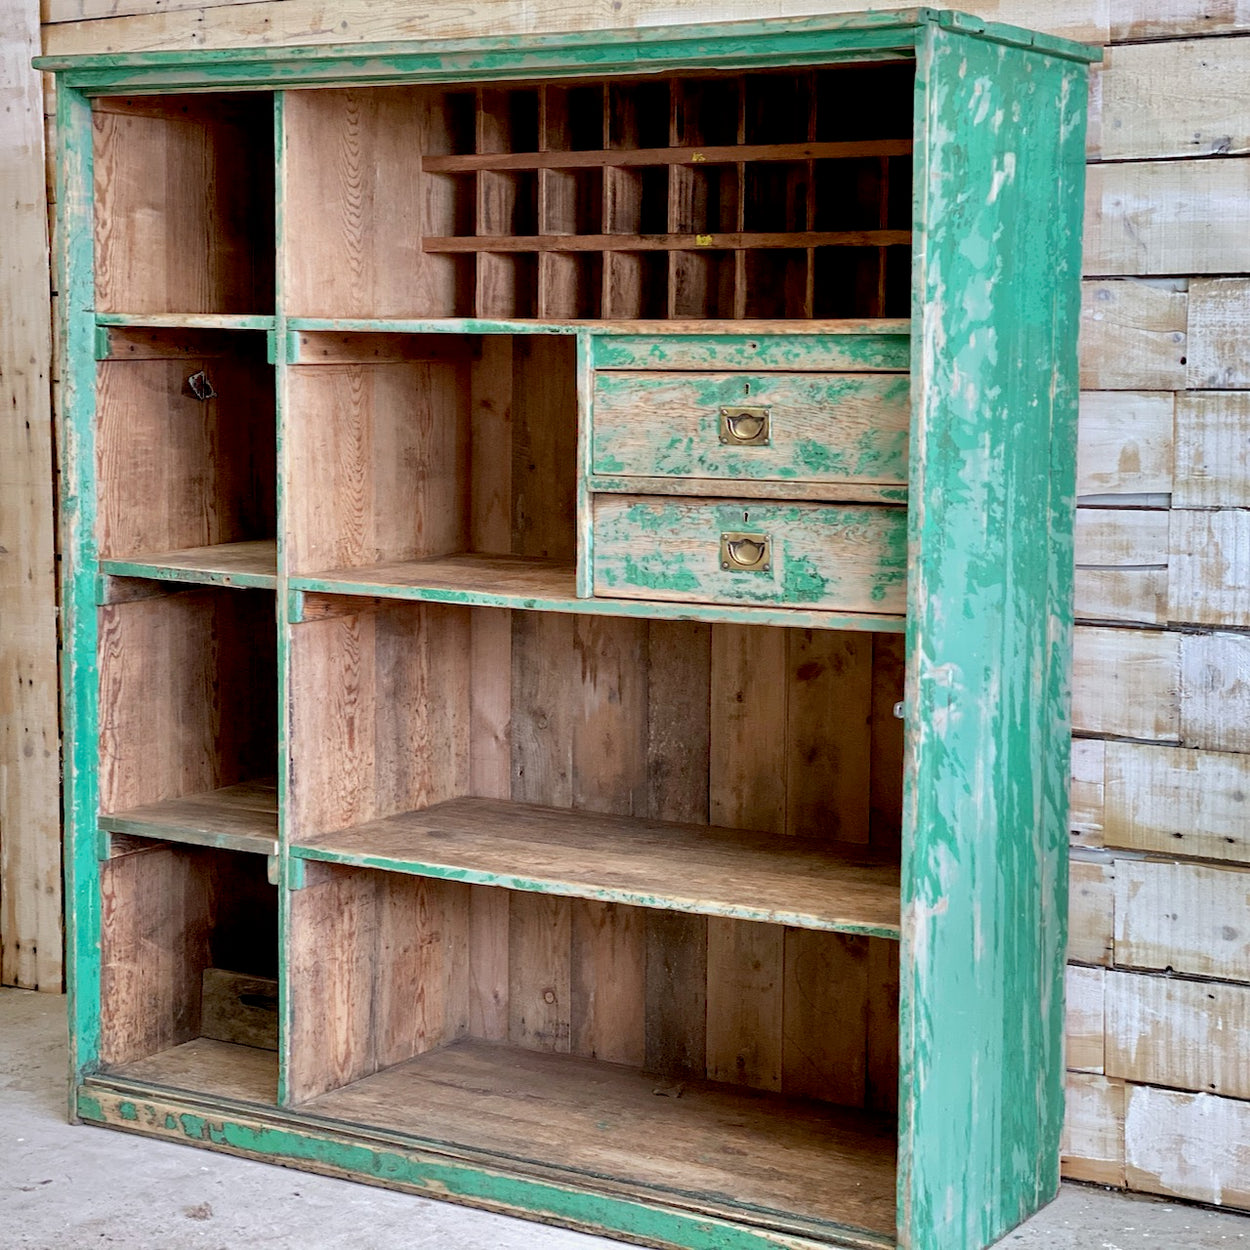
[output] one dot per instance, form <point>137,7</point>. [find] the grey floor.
<point>63,1187</point>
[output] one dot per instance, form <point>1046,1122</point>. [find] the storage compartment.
<point>188,715</point>
<point>701,197</point>
<point>408,450</point>
<point>184,204</point>
<point>786,427</point>
<point>745,782</point>
<point>185,454</point>
<point>189,961</point>
<point>838,557</point>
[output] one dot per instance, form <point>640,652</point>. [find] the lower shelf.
<point>235,818</point>
<point>720,1151</point>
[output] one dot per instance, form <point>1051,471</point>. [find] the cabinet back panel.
<point>168,913</point>
<point>188,695</point>
<point>175,471</point>
<point>184,204</point>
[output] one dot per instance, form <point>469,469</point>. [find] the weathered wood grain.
<point>1215,691</point>
<point>1091,909</point>
<point>30,851</point>
<point>1127,682</point>
<point>1093,1131</point>
<point>1184,1034</point>
<point>1177,98</point>
<point>1124,443</point>
<point>1086,813</point>
<point>1212,449</point>
<point>1083,1021</point>
<point>1132,336</point>
<point>1168,217</point>
<point>1207,576</point>
<point>1171,19</point>
<point>1218,323</point>
<point>1193,1146</point>
<point>1172,801</point>
<point>1183,918</point>
<point>239,1008</point>
<point>1122,565</point>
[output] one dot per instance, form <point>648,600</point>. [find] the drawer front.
<point>890,351</point>
<point>801,427</point>
<point>848,557</point>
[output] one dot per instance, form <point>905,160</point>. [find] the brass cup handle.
<point>751,553</point>
<point>745,426</point>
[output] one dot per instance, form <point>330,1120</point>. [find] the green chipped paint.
<point>426,1168</point>
<point>886,350</point>
<point>1000,136</point>
<point>823,426</point>
<point>845,557</point>
<point>168,573</point>
<point>127,1111</point>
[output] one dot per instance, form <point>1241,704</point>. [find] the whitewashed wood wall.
<point>1159,984</point>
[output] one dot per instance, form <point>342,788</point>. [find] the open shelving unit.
<point>568,558</point>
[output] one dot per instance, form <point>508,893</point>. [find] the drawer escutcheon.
<point>752,553</point>
<point>746,426</point>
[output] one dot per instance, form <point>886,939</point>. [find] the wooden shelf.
<point>236,818</point>
<point>189,321</point>
<point>678,242</point>
<point>248,564</point>
<point>710,1147</point>
<point>204,1066</point>
<point>700,869</point>
<point>630,157</point>
<point>529,583</point>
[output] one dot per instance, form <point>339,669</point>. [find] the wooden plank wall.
<point>30,844</point>
<point>1158,996</point>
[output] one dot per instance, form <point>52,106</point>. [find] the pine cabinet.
<point>567,597</point>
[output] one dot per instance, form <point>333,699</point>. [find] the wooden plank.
<point>1185,1034</point>
<point>1133,337</point>
<point>695,868</point>
<point>825,1005</point>
<point>1168,217</point>
<point>1126,682</point>
<point>488,963</point>
<point>1181,98</point>
<point>1124,443</point>
<point>1219,320</point>
<point>156,912</point>
<point>1193,1146</point>
<point>848,557</point>
<point>239,1008</point>
<point>745,987</point>
<point>1215,691</point>
<point>608,982</point>
<point>885,814</point>
<point>253,564</point>
<point>710,1149</point>
<point>539,966</point>
<point>1122,565</point>
<point>219,24</point>
<point>1212,451</point>
<point>1176,801</point>
<point>1093,1131</point>
<point>828,735</point>
<point>1183,918</point>
<point>490,704</point>
<point>30,846</point>
<point>746,488</point>
<point>1210,553</point>
<point>242,818</point>
<point>503,243</point>
<point>676,994</point>
<point>1172,19</point>
<point>218,1069</point>
<point>1091,911</point>
<point>1085,817</point>
<point>1083,1028</point>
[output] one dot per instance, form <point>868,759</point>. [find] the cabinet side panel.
<point>1000,132</point>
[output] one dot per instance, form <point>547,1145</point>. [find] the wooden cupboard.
<point>567,616</point>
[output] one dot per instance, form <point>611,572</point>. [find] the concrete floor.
<point>65,1187</point>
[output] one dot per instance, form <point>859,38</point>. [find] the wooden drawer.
<point>850,558</point>
<point>887,350</point>
<point>801,427</point>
